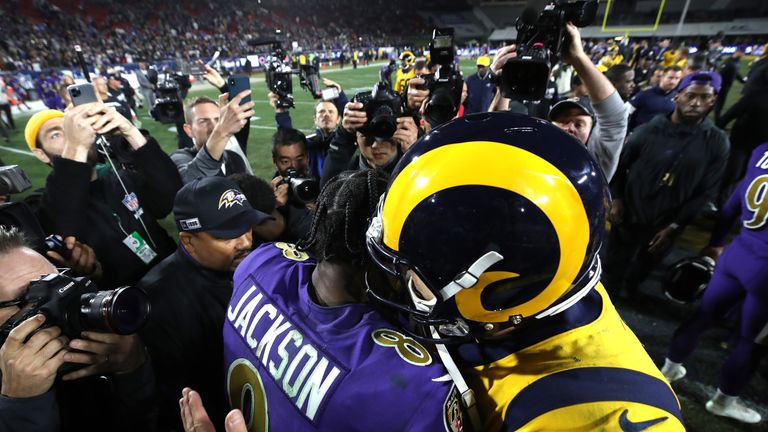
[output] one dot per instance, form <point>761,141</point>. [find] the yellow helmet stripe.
<point>486,163</point>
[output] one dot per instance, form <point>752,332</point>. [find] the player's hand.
<point>281,191</point>
<point>502,56</point>
<point>406,133</point>
<point>233,116</point>
<point>195,418</point>
<point>354,117</point>
<point>415,96</point>
<point>29,368</point>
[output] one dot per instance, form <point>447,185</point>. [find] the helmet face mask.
<point>499,215</point>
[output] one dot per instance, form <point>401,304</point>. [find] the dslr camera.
<point>303,188</point>
<point>76,305</point>
<point>382,107</point>
<point>540,42</point>
<point>169,108</point>
<point>446,84</point>
<point>13,180</point>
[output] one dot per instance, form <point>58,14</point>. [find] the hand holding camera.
<point>79,133</point>
<point>502,55</point>
<point>575,51</point>
<point>75,255</point>
<point>354,117</point>
<point>281,191</point>
<point>407,133</point>
<point>104,353</point>
<point>417,94</point>
<point>29,359</point>
<point>211,75</point>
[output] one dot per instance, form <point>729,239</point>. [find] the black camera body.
<point>303,188</point>
<point>540,42</point>
<point>13,180</point>
<point>279,77</point>
<point>76,305</point>
<point>309,79</point>
<point>445,86</point>
<point>168,108</point>
<point>382,107</point>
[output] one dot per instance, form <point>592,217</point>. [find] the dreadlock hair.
<point>344,207</point>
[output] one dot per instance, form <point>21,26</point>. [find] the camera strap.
<point>130,200</point>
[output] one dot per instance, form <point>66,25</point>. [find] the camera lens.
<point>441,107</point>
<point>306,190</point>
<point>76,92</point>
<point>122,311</point>
<point>383,123</point>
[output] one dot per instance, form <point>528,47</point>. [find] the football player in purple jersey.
<point>740,280</point>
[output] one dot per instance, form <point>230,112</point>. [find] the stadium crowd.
<point>373,263</point>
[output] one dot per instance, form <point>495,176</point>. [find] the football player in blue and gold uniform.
<point>490,229</point>
<point>405,73</point>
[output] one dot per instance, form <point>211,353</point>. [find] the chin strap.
<point>468,278</point>
<point>468,400</point>
<point>467,395</point>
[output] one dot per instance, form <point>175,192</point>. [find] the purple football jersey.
<point>749,202</point>
<point>294,365</point>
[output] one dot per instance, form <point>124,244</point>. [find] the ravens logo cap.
<point>215,205</point>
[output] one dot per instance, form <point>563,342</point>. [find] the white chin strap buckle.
<point>468,278</point>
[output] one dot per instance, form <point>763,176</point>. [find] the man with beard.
<point>189,292</point>
<point>113,210</point>
<point>670,168</point>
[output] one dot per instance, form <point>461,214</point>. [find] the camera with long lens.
<point>382,107</point>
<point>13,180</point>
<point>446,84</point>
<point>76,305</point>
<point>303,188</point>
<point>168,108</point>
<point>279,76</point>
<point>540,42</point>
<point>309,78</point>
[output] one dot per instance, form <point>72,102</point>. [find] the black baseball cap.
<point>582,103</point>
<point>215,205</point>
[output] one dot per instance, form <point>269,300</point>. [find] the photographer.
<point>603,133</point>
<point>291,160</point>
<point>326,120</point>
<point>114,210</point>
<point>375,153</point>
<point>30,360</point>
<point>212,126</point>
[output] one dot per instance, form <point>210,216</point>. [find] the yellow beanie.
<point>34,124</point>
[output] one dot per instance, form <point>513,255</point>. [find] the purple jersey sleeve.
<point>748,203</point>
<point>294,365</point>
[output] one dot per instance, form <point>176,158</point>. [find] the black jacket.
<point>694,155</point>
<point>751,111</point>
<point>184,334</point>
<point>93,211</point>
<point>341,157</point>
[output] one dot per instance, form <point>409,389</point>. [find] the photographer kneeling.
<point>35,349</point>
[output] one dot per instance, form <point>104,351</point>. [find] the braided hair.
<point>344,207</point>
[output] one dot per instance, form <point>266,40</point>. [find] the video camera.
<point>13,180</point>
<point>169,106</point>
<point>445,86</point>
<point>309,78</point>
<point>76,305</point>
<point>278,76</point>
<point>382,107</point>
<point>305,189</point>
<point>540,42</point>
